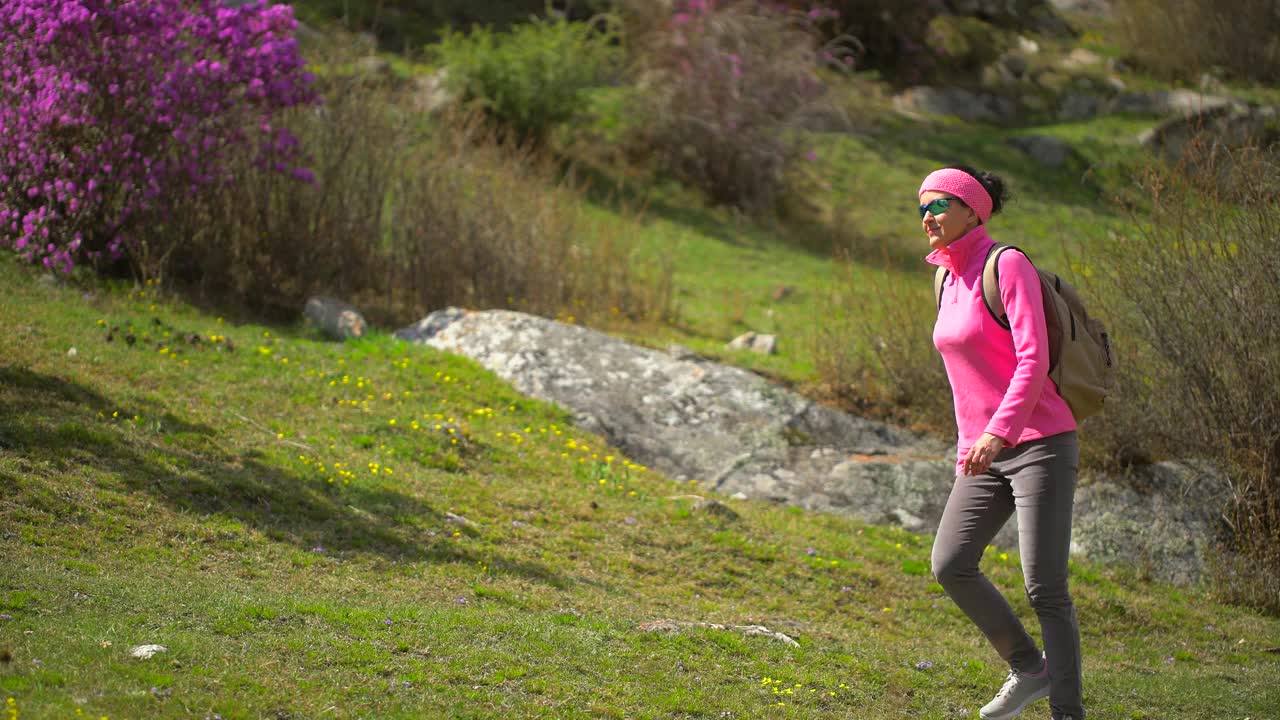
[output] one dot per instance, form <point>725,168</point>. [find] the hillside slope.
<point>378,530</point>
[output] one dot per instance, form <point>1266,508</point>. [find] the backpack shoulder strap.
<point>991,283</point>
<point>939,279</point>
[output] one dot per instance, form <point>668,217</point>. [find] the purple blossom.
<point>924,664</point>
<point>80,166</point>
<point>387,622</point>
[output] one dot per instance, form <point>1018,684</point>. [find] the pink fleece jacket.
<point>999,377</point>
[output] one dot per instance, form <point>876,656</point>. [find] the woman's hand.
<point>982,454</point>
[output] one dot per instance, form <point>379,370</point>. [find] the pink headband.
<point>962,185</point>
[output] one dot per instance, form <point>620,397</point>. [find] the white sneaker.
<point>1018,692</point>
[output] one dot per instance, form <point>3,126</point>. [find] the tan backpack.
<point>1080,362</point>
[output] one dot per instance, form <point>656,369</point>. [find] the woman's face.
<point>945,228</point>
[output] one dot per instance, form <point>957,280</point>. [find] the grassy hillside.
<point>859,201</point>
<point>275,511</point>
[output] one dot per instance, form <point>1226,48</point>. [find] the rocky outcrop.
<point>1221,126</point>
<point>731,431</point>
<point>1162,520</point>
<point>958,102</point>
<point>1166,102</point>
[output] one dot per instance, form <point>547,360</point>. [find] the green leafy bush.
<point>531,77</point>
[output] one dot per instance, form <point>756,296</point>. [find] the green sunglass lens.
<point>937,207</point>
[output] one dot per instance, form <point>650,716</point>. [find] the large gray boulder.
<point>690,418</point>
<point>734,432</point>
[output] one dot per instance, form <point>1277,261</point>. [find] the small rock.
<point>715,507</point>
<point>1048,151</point>
<point>907,520</point>
<point>431,93</point>
<point>1116,65</point>
<point>998,75</point>
<point>758,343</point>
<point>1035,104</point>
<point>373,65</point>
<point>459,520</point>
<point>336,319</point>
<point>1101,8</point>
<point>1080,58</point>
<point>1210,84</point>
<point>1027,45</point>
<point>675,626</point>
<point>680,352</point>
<point>1079,106</point>
<point>146,652</point>
<point>1053,80</point>
<point>1016,64</point>
<point>72,352</point>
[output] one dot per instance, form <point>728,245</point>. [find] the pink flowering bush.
<point>110,110</point>
<point>721,83</point>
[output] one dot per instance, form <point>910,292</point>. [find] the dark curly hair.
<point>990,182</point>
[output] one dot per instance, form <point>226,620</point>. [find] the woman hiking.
<point>1017,447</point>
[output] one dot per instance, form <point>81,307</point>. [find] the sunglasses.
<point>937,207</point>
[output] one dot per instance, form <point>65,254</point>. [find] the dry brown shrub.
<point>1183,39</point>
<point>407,215</point>
<point>719,87</point>
<point>1195,306</point>
<point>873,349</point>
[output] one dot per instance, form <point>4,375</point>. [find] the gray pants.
<point>1036,479</point>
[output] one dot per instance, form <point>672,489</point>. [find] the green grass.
<point>248,502</point>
